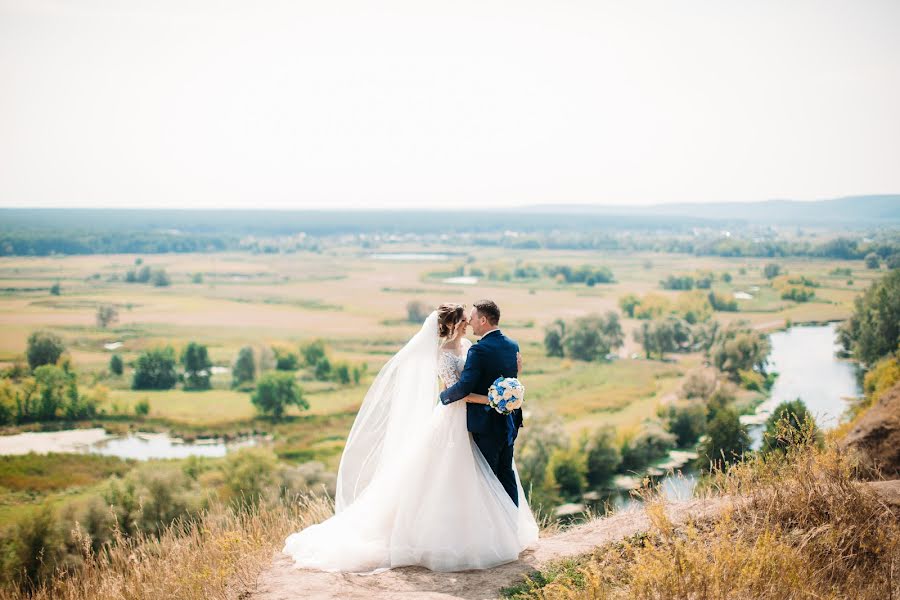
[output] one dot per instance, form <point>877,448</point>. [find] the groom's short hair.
<point>489,310</point>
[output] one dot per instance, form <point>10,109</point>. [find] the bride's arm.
<point>476,399</point>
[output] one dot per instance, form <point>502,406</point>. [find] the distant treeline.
<point>35,232</point>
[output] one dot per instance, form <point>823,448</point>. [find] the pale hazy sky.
<point>351,103</point>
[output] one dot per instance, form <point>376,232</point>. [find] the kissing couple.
<point>427,476</point>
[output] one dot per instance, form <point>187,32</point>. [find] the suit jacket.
<point>492,357</point>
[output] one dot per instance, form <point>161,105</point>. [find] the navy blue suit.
<point>492,357</point>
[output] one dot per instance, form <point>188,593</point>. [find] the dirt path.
<point>282,582</point>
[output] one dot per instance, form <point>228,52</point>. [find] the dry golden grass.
<point>217,556</point>
<point>801,526</point>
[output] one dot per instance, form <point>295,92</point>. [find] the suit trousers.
<point>499,455</point>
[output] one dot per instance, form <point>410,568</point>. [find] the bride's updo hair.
<point>449,315</point>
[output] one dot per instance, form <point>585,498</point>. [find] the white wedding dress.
<point>413,488</point>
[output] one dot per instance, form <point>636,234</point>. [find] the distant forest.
<point>854,229</point>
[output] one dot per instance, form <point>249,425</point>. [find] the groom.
<point>495,355</point>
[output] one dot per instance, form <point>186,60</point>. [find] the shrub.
<point>160,278</point>
<point>55,289</point>
<point>323,369</point>
<point>285,360</point>
<point>771,271</point>
<point>790,424</point>
<point>155,370</point>
<point>142,407</point>
<point>588,338</point>
<point>275,392</point>
<point>44,348</point>
<point>554,335</point>
<point>698,384</point>
<point>736,348</point>
<point>722,303</point>
<point>873,261</point>
<point>116,366</point>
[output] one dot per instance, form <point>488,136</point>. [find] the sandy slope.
<point>282,581</point>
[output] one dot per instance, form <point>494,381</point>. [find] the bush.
<point>248,474</point>
<point>142,407</point>
<point>55,289</point>
<point>116,366</point>
<point>628,303</point>
<point>602,456</point>
<point>722,303</point>
<point>771,271</point>
<point>275,392</point>
<point>323,369</point>
<point>790,424</point>
<point>155,370</point>
<point>44,348</point>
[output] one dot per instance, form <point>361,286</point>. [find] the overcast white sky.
<point>351,103</point>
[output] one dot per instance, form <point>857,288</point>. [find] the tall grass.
<point>217,555</point>
<point>800,526</point>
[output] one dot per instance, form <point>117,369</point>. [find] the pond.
<point>805,359</point>
<point>136,445</point>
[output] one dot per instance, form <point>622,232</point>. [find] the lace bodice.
<point>450,365</point>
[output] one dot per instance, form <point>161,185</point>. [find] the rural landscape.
<point>178,385</point>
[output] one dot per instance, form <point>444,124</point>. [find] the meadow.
<point>357,305</point>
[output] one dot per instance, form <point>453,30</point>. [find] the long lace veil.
<point>398,404</point>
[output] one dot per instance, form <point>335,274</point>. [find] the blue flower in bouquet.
<point>505,395</point>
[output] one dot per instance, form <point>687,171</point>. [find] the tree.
<point>873,330</point>
<point>661,336</point>
<point>603,456</point>
<point>342,373</point>
<point>143,275</point>
<point>323,369</point>
<point>687,421</point>
<point>771,270</point>
<point>55,289</point>
<point>285,360</point>
<point>275,392</point>
<point>650,443</point>
<point>568,469</point>
<point>116,366</point>
<point>155,370</point>
<point>417,311</point>
<point>737,348</point>
<point>873,261</point>
<point>553,338</point>
<point>142,408</point>
<point>44,348</point>
<point>244,369</point>
<point>106,314</point>
<point>313,352</point>
<point>726,439</point>
<point>160,278</point>
<point>197,367</point>
<point>628,303</point>
<point>789,424</point>
<point>593,337</point>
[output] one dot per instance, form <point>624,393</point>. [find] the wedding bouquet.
<point>506,395</point>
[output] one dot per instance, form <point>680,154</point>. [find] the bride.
<point>413,488</point>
